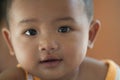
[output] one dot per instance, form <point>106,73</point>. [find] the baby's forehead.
<point>58,4</point>
<point>49,5</point>
<point>46,10</point>
<point>70,2</point>
<point>86,3</point>
<point>45,1</point>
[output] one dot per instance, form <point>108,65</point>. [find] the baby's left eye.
<point>64,29</point>
<point>31,32</point>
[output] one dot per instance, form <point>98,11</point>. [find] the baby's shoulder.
<point>101,69</point>
<point>13,73</point>
<point>93,69</point>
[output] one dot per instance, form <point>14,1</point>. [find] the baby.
<point>50,39</point>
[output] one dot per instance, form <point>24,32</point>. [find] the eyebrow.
<point>28,20</point>
<point>56,20</point>
<point>65,19</point>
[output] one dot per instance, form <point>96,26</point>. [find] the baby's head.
<point>50,37</point>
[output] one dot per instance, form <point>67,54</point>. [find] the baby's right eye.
<point>31,32</point>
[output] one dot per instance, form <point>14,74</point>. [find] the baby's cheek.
<point>74,54</point>
<point>26,61</point>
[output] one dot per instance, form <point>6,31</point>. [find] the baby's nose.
<point>49,46</point>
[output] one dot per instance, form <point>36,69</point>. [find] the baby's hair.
<point>88,9</point>
<point>6,5</point>
<point>1,10</point>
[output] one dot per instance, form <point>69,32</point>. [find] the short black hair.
<point>1,10</point>
<point>5,6</point>
<point>88,8</point>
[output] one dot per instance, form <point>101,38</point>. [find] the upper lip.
<point>50,58</point>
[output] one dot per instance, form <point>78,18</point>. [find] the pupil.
<point>31,32</point>
<point>64,29</point>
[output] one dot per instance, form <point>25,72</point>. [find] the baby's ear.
<point>93,31</point>
<point>7,37</point>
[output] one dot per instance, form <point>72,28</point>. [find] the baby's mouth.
<point>50,62</point>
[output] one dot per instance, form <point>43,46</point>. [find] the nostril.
<point>49,47</point>
<point>47,50</point>
<point>43,49</point>
<point>52,48</point>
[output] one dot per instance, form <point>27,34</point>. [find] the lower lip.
<point>52,64</point>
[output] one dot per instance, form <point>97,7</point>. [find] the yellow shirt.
<point>113,71</point>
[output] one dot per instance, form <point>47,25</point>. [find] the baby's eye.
<point>31,32</point>
<point>64,29</point>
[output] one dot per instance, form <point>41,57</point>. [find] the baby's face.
<point>49,37</point>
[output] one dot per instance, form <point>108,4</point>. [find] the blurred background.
<point>107,45</point>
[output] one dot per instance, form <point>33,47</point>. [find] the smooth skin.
<point>42,29</point>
